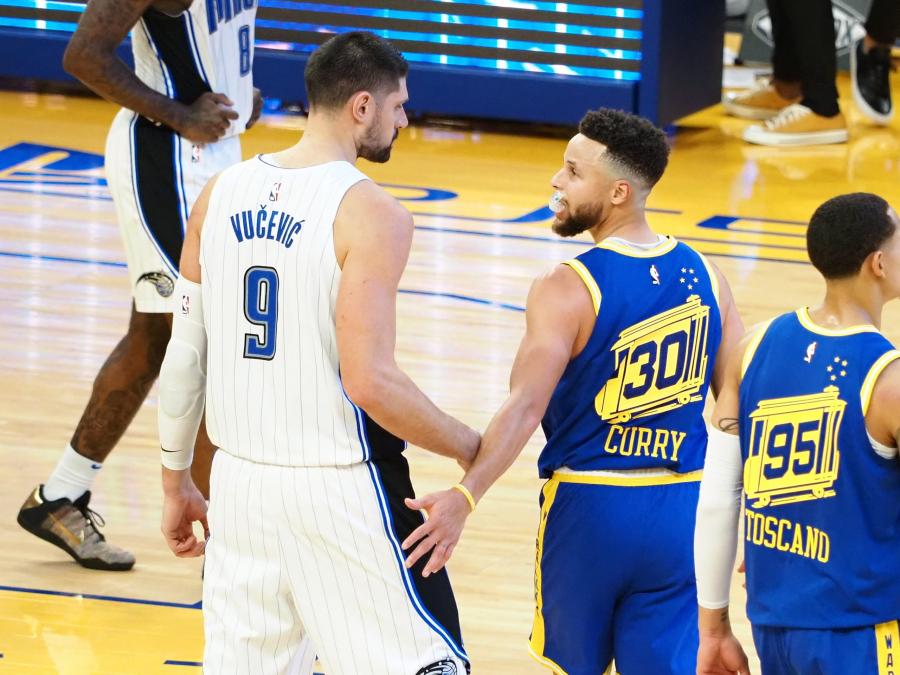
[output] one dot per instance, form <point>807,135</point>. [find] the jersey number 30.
<point>261,309</point>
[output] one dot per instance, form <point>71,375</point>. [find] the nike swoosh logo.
<point>164,450</point>
<point>65,532</point>
<point>96,466</point>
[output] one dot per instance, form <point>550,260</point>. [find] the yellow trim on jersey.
<point>887,639</point>
<point>588,280</point>
<point>713,277</point>
<point>810,325</point>
<point>868,385</point>
<point>663,248</point>
<point>536,643</point>
<point>547,663</point>
<point>638,480</point>
<point>753,345</point>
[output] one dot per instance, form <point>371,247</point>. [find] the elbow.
<point>73,60</point>
<point>76,57</point>
<point>364,389</point>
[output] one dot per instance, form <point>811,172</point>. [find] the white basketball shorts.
<point>306,561</point>
<point>155,176</point>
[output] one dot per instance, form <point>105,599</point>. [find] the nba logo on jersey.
<point>273,193</point>
<point>185,304</point>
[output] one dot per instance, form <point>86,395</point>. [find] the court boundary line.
<point>104,598</point>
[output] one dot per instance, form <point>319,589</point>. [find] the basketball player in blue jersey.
<point>620,348</point>
<point>183,107</point>
<point>285,334</point>
<point>807,426</point>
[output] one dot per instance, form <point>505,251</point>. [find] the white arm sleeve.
<point>182,379</point>
<point>718,511</point>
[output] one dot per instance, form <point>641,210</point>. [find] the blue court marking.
<point>54,258</point>
<point>464,298</point>
<point>107,598</point>
<point>405,291</point>
<point>584,244</point>
<point>51,193</point>
<point>725,222</point>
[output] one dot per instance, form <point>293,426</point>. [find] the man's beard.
<point>370,150</point>
<point>578,221</point>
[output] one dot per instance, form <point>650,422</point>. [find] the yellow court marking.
<point>42,633</point>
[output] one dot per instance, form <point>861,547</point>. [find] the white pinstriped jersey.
<point>270,282</point>
<point>208,47</point>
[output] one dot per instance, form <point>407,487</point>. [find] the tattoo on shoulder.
<point>729,425</point>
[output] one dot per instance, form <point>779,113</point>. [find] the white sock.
<point>72,476</point>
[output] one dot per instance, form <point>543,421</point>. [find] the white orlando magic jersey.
<point>208,47</point>
<point>270,283</point>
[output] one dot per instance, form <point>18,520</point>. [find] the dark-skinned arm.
<point>91,57</point>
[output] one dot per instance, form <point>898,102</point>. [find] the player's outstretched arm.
<point>557,305</point>
<point>91,57</point>
<point>715,536</point>
<point>182,394</point>
<point>373,235</point>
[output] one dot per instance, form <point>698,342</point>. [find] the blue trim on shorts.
<point>137,198</point>
<point>411,592</point>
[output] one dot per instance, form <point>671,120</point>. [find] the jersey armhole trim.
<point>589,281</point>
<point>868,385</point>
<point>713,277</point>
<point>753,346</point>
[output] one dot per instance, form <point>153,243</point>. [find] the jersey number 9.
<point>261,309</point>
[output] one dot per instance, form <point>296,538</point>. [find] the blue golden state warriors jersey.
<point>822,512</point>
<point>633,398</point>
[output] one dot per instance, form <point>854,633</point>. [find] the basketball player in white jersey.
<point>183,106</point>
<point>285,331</point>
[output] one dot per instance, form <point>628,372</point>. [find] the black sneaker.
<point>870,74</point>
<point>72,526</point>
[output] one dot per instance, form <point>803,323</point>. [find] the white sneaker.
<point>798,125</point>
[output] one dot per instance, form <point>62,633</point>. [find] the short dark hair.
<point>845,230</point>
<point>631,141</point>
<point>349,63</point>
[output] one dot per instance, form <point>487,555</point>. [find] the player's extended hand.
<point>721,655</point>
<point>257,108</point>
<point>208,118</point>
<point>447,513</point>
<point>182,505</point>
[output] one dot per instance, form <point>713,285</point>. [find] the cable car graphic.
<point>794,453</point>
<point>660,364</point>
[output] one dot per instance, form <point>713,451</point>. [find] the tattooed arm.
<point>715,536</point>
<point>91,57</point>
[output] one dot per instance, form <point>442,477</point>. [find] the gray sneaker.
<point>72,526</point>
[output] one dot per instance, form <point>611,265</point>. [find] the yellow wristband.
<point>459,487</point>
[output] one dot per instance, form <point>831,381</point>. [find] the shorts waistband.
<point>632,478</point>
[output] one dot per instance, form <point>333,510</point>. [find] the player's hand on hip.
<point>182,506</point>
<point>447,512</point>
<point>208,118</point>
<point>721,655</point>
<point>257,108</point>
